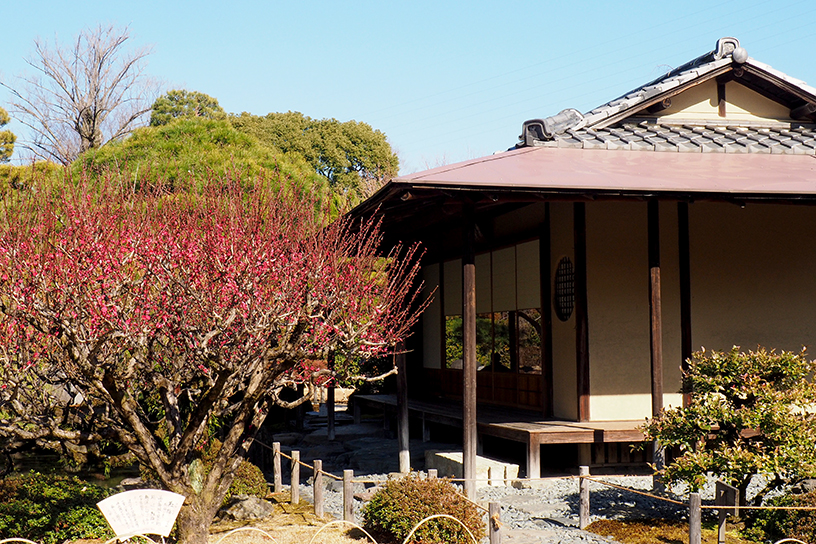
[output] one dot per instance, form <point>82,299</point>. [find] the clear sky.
<point>446,81</point>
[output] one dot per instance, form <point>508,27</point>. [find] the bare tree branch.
<point>82,95</point>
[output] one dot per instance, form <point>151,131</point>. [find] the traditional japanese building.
<point>575,273</point>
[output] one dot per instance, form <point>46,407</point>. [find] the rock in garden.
<point>249,508</point>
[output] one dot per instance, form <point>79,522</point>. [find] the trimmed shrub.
<point>51,508</point>
<point>773,525</point>
<point>401,504</point>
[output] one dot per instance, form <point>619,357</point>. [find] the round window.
<point>564,301</point>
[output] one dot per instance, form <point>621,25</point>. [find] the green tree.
<point>355,158</point>
<point>181,103</point>
<point>195,148</point>
<point>7,138</point>
<point>749,413</point>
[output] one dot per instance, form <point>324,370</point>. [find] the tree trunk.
<point>194,520</point>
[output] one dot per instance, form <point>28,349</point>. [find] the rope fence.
<point>694,504</point>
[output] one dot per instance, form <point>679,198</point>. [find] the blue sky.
<point>445,81</point>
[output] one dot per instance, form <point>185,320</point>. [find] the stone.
<point>249,508</point>
<point>488,471</point>
<point>132,483</point>
<point>367,494</point>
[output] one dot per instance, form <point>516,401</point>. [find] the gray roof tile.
<point>645,135</point>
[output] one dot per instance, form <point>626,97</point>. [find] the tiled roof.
<point>620,124</point>
<point>650,135</point>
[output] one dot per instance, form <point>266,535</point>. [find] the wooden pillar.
<point>581,321</point>
<point>402,409</point>
<point>695,519</point>
<point>318,487</point>
<point>469,442</point>
<point>684,248</point>
<point>533,457</point>
<point>583,494</point>
<point>545,273</point>
<point>656,320</point>
<point>300,408</point>
<point>330,412</point>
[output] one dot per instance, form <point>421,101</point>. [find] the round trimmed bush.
<point>401,504</point>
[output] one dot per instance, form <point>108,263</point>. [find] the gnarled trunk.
<point>194,520</point>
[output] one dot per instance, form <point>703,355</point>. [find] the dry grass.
<point>655,531</point>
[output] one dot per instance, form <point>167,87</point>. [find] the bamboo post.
<point>695,519</point>
<point>432,473</point>
<point>348,496</point>
<point>583,507</point>
<point>295,480</point>
<point>494,522</point>
<point>276,467</point>
<point>317,486</point>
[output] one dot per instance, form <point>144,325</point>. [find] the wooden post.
<point>432,474</point>
<point>317,488</point>
<point>583,506</point>
<point>402,410</point>
<point>684,248</point>
<point>276,468</point>
<point>300,408</point>
<point>330,412</point>
<point>581,318</point>
<point>295,480</point>
<point>494,522</point>
<point>545,273</point>
<point>469,442</point>
<point>695,519</point>
<point>348,495</point>
<point>656,321</point>
<point>533,457</point>
<point>726,496</point>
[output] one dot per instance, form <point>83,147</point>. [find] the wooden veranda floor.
<point>512,424</point>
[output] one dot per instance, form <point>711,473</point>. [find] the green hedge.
<point>51,508</point>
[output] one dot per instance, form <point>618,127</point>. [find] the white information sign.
<point>141,511</point>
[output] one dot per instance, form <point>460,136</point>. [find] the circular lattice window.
<point>564,300</point>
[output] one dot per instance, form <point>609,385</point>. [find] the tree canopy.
<point>180,103</point>
<point>7,138</point>
<point>189,149</point>
<point>749,413</point>
<point>148,318</point>
<point>82,94</point>
<point>355,158</point>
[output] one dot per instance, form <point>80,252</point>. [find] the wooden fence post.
<point>276,467</point>
<point>583,505</point>
<point>295,487</point>
<point>494,522</point>
<point>695,519</point>
<point>317,486</point>
<point>348,495</point>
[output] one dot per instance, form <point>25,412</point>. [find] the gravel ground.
<point>549,512</point>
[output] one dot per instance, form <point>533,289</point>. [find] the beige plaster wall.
<point>618,309</point>
<point>742,104</point>
<point>752,275</point>
<point>565,398</point>
<point>431,319</point>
